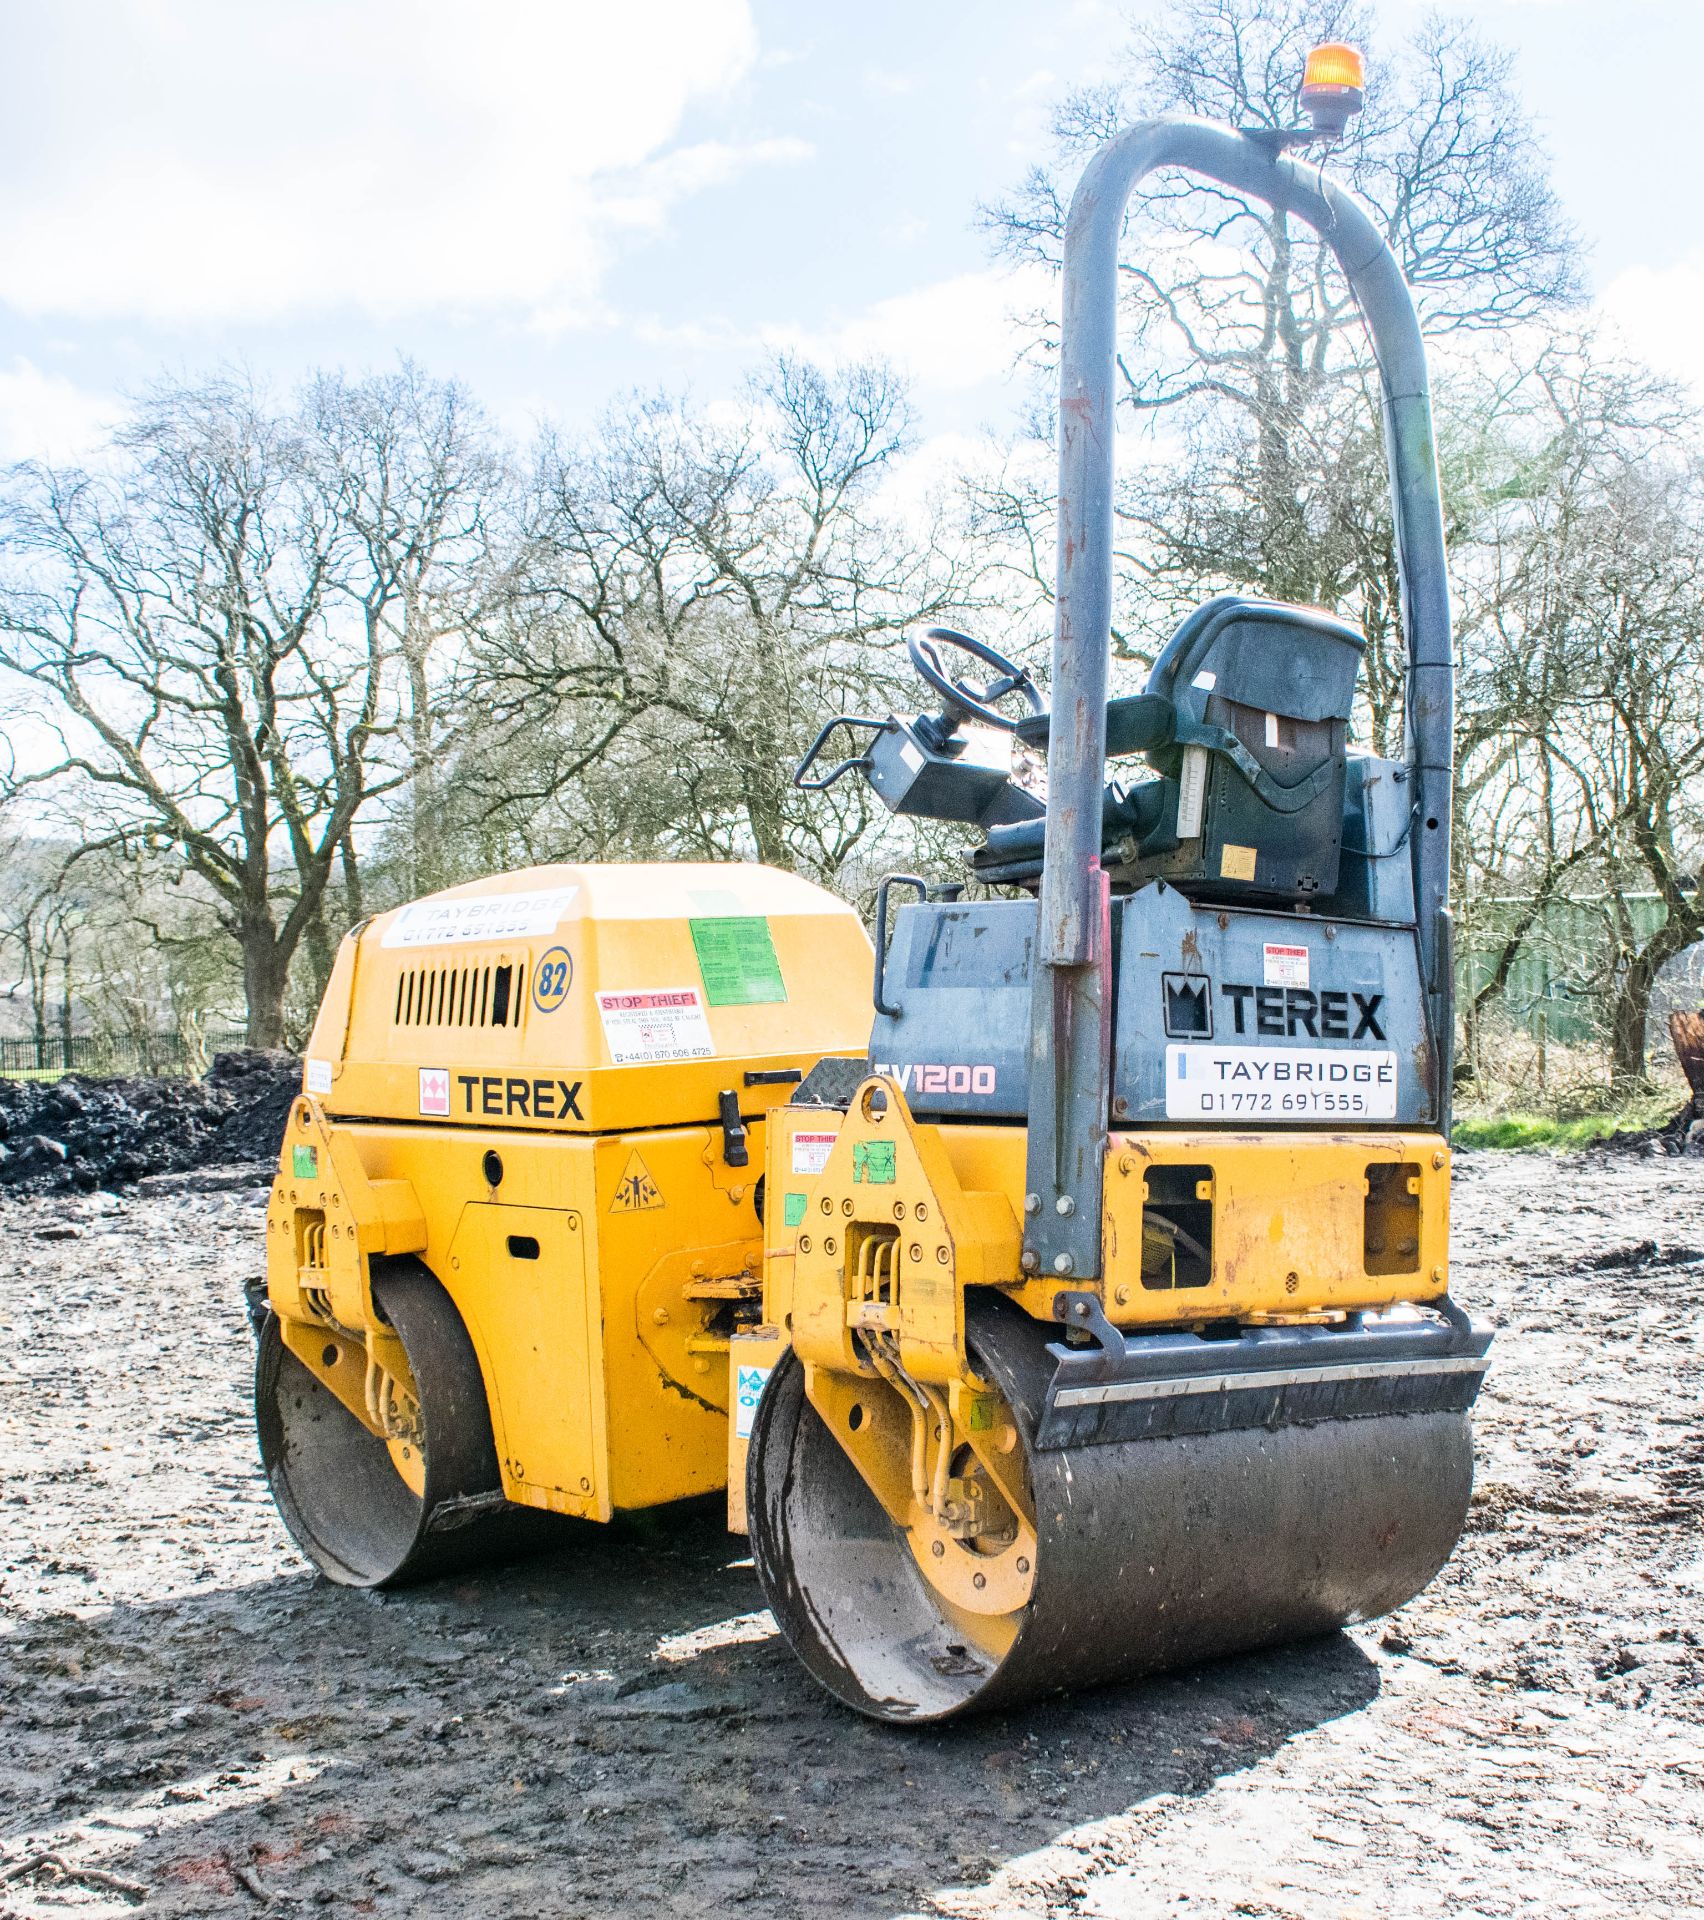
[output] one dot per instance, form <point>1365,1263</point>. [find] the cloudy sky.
<point>557,200</point>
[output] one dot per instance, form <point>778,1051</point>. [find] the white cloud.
<point>191,160</point>
<point>912,486</point>
<point>44,416</point>
<point>949,336</point>
<point>1656,311</point>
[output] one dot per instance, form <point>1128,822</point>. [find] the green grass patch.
<point>1548,1133</point>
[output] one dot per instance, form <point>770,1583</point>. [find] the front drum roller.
<point>339,1486</point>
<point>1148,1554</point>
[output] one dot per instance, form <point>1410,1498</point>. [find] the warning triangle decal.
<point>636,1192</point>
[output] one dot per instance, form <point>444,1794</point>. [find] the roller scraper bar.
<point>1131,1387</point>
<point>1069,1064</point>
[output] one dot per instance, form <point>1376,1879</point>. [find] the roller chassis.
<point>1067,1333</point>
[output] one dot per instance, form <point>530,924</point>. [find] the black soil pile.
<point>77,1134</point>
<point>1683,1135</point>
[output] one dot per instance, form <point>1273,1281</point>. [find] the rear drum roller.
<point>1146,1554</point>
<point>367,1512</point>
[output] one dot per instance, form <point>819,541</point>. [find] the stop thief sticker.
<point>1285,966</point>
<point>811,1151</point>
<point>655,1023</point>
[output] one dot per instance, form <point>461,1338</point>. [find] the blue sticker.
<point>551,978</point>
<point>749,1383</point>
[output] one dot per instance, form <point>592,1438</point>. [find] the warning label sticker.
<point>1286,966</point>
<point>811,1151</point>
<point>503,916</point>
<point>636,1192</point>
<point>655,1023</point>
<point>749,1383</point>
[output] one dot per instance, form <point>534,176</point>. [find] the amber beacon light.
<point>1333,87</point>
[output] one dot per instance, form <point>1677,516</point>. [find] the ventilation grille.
<point>461,996</point>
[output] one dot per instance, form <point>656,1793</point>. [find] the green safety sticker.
<point>736,958</point>
<point>793,1209</point>
<point>873,1163</point>
<point>304,1162</point>
<point>979,1413</point>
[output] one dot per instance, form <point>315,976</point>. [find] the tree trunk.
<point>266,974</point>
<point>320,951</point>
<point>1632,1011</point>
<point>65,1005</point>
<point>1629,1019</point>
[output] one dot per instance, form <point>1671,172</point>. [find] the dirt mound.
<point>1682,1135</point>
<point>77,1134</point>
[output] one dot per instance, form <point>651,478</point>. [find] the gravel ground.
<point>190,1723</point>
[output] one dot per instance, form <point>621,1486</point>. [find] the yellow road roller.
<point>1060,1289</point>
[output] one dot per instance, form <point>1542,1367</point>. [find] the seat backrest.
<point>1260,695</point>
<point>1261,657</point>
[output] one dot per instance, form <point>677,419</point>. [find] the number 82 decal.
<point>551,979</point>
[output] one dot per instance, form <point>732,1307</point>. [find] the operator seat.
<point>1244,721</point>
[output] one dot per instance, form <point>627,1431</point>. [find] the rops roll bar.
<point>1069,1063</point>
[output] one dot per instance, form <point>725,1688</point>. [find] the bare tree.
<point>41,917</point>
<point>1580,572</point>
<point>215,630</point>
<point>415,477</point>
<point>699,593</point>
<point>1241,335</point>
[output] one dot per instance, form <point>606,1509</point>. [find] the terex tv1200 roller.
<point>1082,1310</point>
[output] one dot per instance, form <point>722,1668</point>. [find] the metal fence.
<point>108,1056</point>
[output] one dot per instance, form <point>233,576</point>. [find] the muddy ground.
<point>191,1723</point>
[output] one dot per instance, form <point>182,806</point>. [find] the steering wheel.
<point>964,699</point>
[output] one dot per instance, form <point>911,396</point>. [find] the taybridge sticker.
<point>552,978</point>
<point>503,916</point>
<point>636,1192</point>
<point>317,1079</point>
<point>1280,1083</point>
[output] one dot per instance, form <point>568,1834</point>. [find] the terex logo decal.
<point>920,1077</point>
<point>1189,1006</point>
<point>1284,1012</point>
<point>496,1095</point>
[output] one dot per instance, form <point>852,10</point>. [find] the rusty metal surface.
<point>1686,1030</point>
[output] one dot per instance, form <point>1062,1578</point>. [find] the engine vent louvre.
<point>460,996</point>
